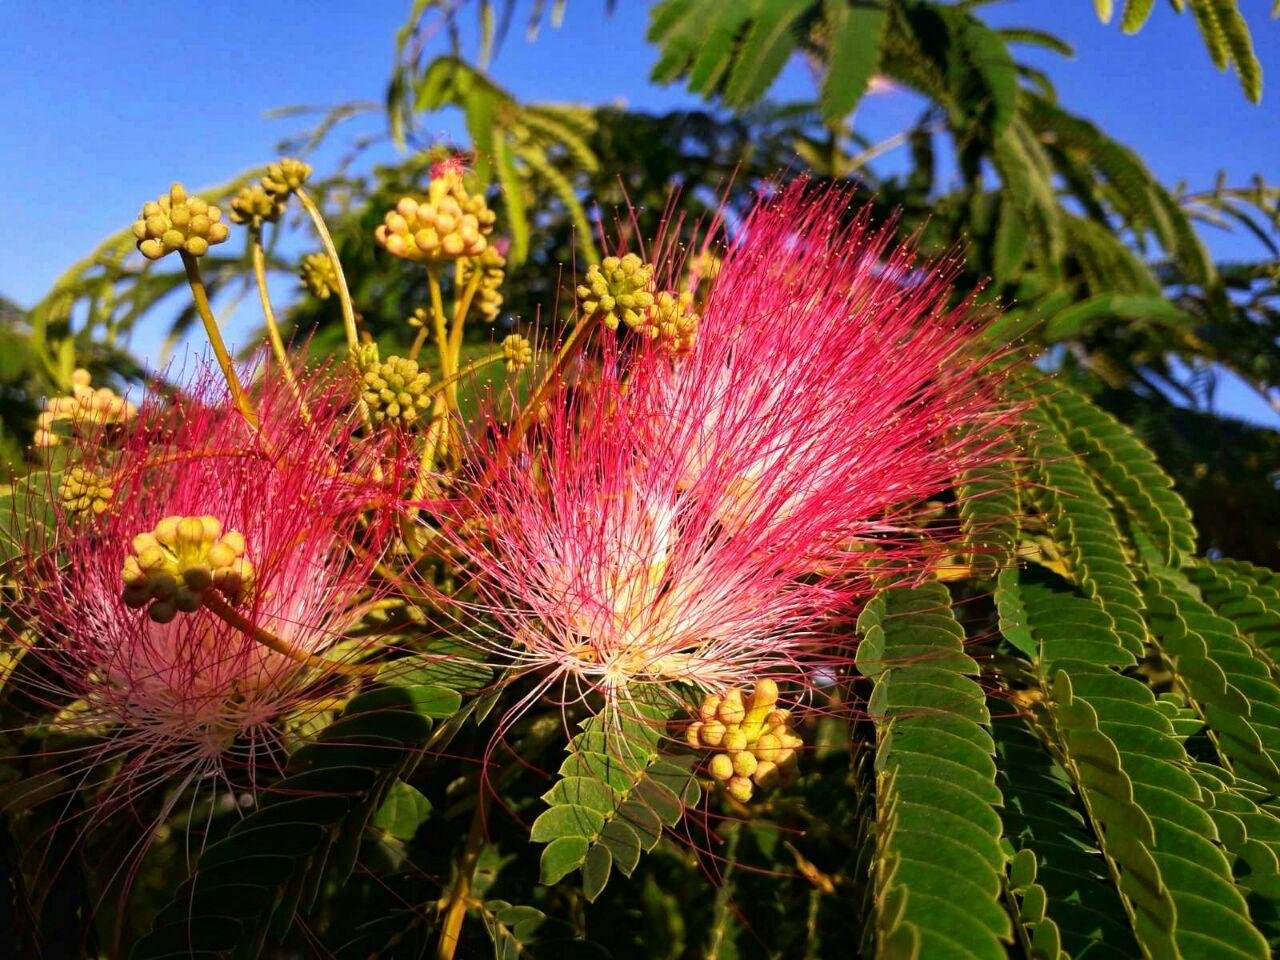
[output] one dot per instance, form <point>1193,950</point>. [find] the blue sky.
<point>107,102</point>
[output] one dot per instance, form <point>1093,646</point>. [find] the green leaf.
<point>939,862</point>
<point>616,793</point>
<point>402,812</point>
<point>1135,14</point>
<point>566,820</point>
<point>853,53</point>
<point>307,828</point>
<point>769,42</point>
<point>562,856</point>
<point>1082,318</point>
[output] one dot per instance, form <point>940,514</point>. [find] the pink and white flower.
<point>705,521</point>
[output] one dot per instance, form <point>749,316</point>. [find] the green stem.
<point>224,611</point>
<point>575,342</point>
<point>269,317</point>
<point>344,295</point>
<point>447,366</point>
<point>455,907</point>
<point>438,320</point>
<point>466,371</point>
<point>201,296</point>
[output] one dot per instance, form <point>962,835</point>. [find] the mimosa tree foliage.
<point>1065,744</point>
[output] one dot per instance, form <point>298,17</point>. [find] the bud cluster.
<point>178,222</point>
<point>84,407</point>
<point>756,744</point>
<point>618,290</point>
<point>263,202</point>
<point>82,492</point>
<point>704,266</point>
<point>395,389</point>
<point>172,567</point>
<point>448,224</point>
<point>517,352</point>
<point>285,177</point>
<point>318,275</point>
<point>491,266</point>
<point>672,322</point>
<point>254,206</point>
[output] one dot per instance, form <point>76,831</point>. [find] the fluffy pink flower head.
<point>703,521</point>
<point>201,512</point>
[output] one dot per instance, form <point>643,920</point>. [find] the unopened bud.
<point>178,222</point>
<point>517,352</point>
<point>720,767</point>
<point>731,709</point>
<point>618,291</point>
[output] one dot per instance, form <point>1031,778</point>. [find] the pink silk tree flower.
<point>194,576</point>
<point>705,520</point>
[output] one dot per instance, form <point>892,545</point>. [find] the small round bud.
<point>254,206</point>
<point>395,390</point>
<point>692,734</point>
<point>765,694</point>
<point>768,747</point>
<point>766,774</point>
<point>285,176</point>
<point>720,767</point>
<point>739,788</point>
<point>178,222</point>
<point>517,353</point>
<point>617,291</point>
<point>744,763</point>
<point>713,732</point>
<point>318,275</point>
<point>731,709</point>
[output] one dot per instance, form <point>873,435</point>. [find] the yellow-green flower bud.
<point>761,704</point>
<point>768,747</point>
<point>766,774</point>
<point>85,407</point>
<point>394,390</point>
<point>618,290</point>
<point>285,177</point>
<point>254,206</point>
<point>713,732</point>
<point>83,493</point>
<point>720,767</point>
<point>710,704</point>
<point>739,788</point>
<point>744,763</point>
<point>731,709</point>
<point>171,568</point>
<point>419,318</point>
<point>756,746</point>
<point>448,225</point>
<point>491,265</point>
<point>178,222</point>
<point>318,276</point>
<point>693,734</point>
<point>517,353</point>
<point>672,322</point>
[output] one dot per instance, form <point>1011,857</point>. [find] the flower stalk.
<point>201,296</point>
